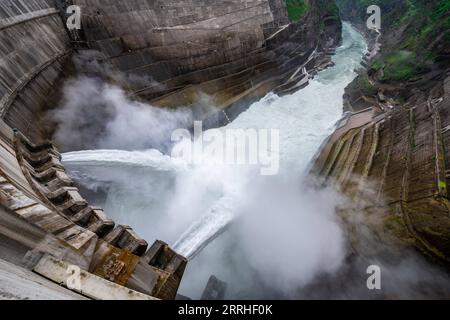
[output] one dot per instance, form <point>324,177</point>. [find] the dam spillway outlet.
<point>251,150</point>
<point>228,146</point>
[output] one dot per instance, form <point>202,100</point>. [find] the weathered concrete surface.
<point>190,34</point>
<point>41,213</point>
<point>234,51</point>
<point>17,283</point>
<point>395,166</point>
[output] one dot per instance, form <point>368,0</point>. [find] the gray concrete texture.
<point>33,47</point>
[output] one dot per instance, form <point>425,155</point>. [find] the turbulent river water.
<point>266,236</point>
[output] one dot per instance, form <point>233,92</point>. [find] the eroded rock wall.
<point>395,163</point>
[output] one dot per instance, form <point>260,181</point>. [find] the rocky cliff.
<point>393,154</point>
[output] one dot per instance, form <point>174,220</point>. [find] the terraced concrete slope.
<point>233,51</point>
<point>393,155</point>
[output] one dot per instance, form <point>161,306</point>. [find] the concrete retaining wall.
<point>33,49</point>
<point>185,35</point>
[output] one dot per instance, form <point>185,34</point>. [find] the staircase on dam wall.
<point>49,223</point>
<point>394,166</point>
<point>35,188</point>
<point>34,47</point>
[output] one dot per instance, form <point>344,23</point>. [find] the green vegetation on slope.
<point>442,13</point>
<point>425,21</point>
<point>400,65</point>
<point>366,87</point>
<point>329,7</point>
<point>418,35</point>
<point>296,9</point>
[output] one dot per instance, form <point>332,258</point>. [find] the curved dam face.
<point>230,213</point>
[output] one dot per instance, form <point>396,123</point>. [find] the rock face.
<point>393,154</point>
<point>183,35</point>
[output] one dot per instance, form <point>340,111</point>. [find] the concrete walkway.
<point>17,283</point>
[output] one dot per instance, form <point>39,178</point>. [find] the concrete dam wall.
<point>34,47</point>
<point>233,51</point>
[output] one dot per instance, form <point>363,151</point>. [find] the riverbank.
<point>402,154</point>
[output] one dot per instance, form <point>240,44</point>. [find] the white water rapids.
<point>261,234</point>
